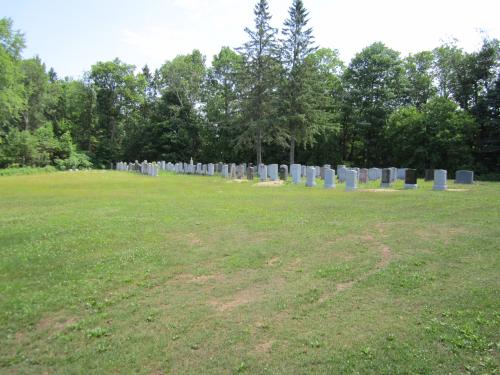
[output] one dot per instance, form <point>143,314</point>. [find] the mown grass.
<point>110,272</point>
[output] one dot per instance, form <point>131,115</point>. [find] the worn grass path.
<point>111,272</point>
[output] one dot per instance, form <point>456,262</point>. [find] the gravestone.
<point>283,172</point>
<point>232,171</point>
<point>394,174</point>
<point>310,177</point>
<point>440,179</point>
<point>263,173</point>
<point>341,172</point>
<point>211,169</point>
<point>429,175</point>
<point>351,180</point>
<point>329,178</point>
<point>250,172</point>
<point>363,176</point>
<point>464,177</point>
<point>401,173</point>
<point>318,171</point>
<point>272,171</point>
<point>410,178</point>
<point>386,178</point>
<point>240,171</point>
<point>225,171</point>
<point>296,171</point>
<point>373,174</point>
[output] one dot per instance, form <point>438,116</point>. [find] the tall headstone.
<point>351,180</point>
<point>341,172</point>
<point>440,179</point>
<point>250,173</point>
<point>329,178</point>
<point>311,177</point>
<point>211,169</point>
<point>394,174</point>
<point>386,178</point>
<point>429,175</point>
<point>303,171</point>
<point>296,171</point>
<point>410,178</point>
<point>263,173</point>
<point>283,172</point>
<point>464,177</point>
<point>363,176</point>
<point>272,171</point>
<point>232,171</point>
<point>225,171</point>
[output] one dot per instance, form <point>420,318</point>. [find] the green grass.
<point>26,170</point>
<point>111,272</point>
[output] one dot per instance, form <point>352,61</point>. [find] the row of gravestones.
<point>273,172</point>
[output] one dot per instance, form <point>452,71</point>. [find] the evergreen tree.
<point>260,80</point>
<point>298,99</point>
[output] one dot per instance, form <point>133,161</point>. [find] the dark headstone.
<point>464,177</point>
<point>386,177</point>
<point>250,172</point>
<point>429,175</point>
<point>283,172</point>
<point>411,176</point>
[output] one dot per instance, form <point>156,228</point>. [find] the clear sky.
<point>71,35</point>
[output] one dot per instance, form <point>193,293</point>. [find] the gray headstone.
<point>329,178</point>
<point>210,169</point>
<point>440,179</point>
<point>351,180</point>
<point>464,177</point>
<point>311,177</point>
<point>263,173</point>
<point>225,171</point>
<point>296,171</point>
<point>272,171</point>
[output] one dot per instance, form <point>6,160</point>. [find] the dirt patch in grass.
<point>252,294</point>
<point>242,297</point>
<point>272,261</point>
<point>264,347</point>
<point>56,322</point>
<point>237,181</point>
<point>269,183</point>
<point>458,189</point>
<point>202,279</point>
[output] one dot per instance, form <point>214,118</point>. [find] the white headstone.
<point>440,179</point>
<point>311,177</point>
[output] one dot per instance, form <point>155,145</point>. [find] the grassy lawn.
<point>112,272</point>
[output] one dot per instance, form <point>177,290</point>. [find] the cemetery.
<point>249,187</point>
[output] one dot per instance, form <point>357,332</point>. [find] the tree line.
<point>277,98</point>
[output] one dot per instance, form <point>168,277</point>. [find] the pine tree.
<point>296,45</point>
<point>260,77</point>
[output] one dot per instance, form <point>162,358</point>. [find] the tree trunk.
<point>292,149</point>
<point>258,147</point>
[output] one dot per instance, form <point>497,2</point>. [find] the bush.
<point>76,160</point>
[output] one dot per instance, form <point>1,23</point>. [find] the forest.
<point>277,98</point>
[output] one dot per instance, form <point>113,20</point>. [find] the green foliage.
<point>284,100</point>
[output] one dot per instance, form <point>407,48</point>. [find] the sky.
<point>72,35</point>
